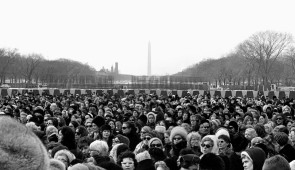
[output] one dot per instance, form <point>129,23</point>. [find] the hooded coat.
<point>257,155</point>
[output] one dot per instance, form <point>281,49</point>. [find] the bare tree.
<point>263,49</point>
<point>29,65</point>
<point>7,59</point>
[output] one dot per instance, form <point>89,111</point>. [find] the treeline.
<point>262,59</point>
<point>34,68</point>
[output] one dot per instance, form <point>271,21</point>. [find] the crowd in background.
<point>146,132</point>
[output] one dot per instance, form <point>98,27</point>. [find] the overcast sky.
<point>102,32</point>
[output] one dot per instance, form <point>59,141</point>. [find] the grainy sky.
<point>102,32</point>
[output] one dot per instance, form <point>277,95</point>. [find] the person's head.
<point>263,119</point>
<point>99,147</point>
<point>81,131</point>
<point>155,143</point>
<point>268,128</point>
<point>224,142</point>
<point>106,131</point>
<point>20,148</point>
<point>255,141</point>
<point>206,162</point>
<point>65,156</point>
<point>127,160</point>
<point>144,130</point>
<point>189,161</point>
<point>208,144</point>
<point>250,133</point>
<point>253,158</point>
<point>233,127</point>
<point>193,140</point>
<point>177,135</point>
<point>127,128</point>
<point>280,140</point>
<point>279,119</point>
<point>292,136</point>
<point>204,127</point>
<point>161,165</point>
<point>97,122</point>
<point>67,137</point>
<point>151,117</point>
<point>83,145</point>
<point>276,162</point>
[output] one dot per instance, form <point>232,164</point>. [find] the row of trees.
<point>264,58</point>
<point>34,68</point>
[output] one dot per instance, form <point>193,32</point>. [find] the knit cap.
<point>281,138</point>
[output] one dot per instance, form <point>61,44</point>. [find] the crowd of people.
<point>146,132</point>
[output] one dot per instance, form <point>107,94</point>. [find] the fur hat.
<point>78,167</point>
<point>207,160</point>
<point>67,153</point>
<point>99,121</point>
<point>143,156</point>
<point>178,130</point>
<point>281,138</point>
<point>20,148</point>
<point>56,165</point>
<point>105,127</point>
<point>151,113</point>
<point>160,129</point>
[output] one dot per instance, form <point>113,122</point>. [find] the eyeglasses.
<point>77,133</point>
<point>207,146</point>
<point>279,118</point>
<point>89,126</point>
<point>156,145</point>
<point>124,127</point>
<point>205,127</point>
<point>177,138</point>
<point>146,138</point>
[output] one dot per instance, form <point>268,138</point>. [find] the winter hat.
<point>143,156</point>
<point>123,139</point>
<point>214,139</point>
<point>99,121</point>
<point>281,138</point>
<point>105,127</point>
<point>221,131</point>
<point>160,129</point>
<point>51,130</point>
<point>56,165</point>
<point>152,140</point>
<point>159,117</point>
<point>178,130</point>
<point>151,113</point>
<point>256,155</point>
<point>207,160</point>
<point>286,109</point>
<point>78,167</point>
<point>292,165</point>
<point>20,148</point>
<point>256,141</point>
<point>67,153</point>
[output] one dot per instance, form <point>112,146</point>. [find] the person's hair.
<point>100,146</point>
<point>82,131</point>
<point>207,139</point>
<point>68,138</point>
<point>83,141</point>
<point>276,162</point>
<point>207,159</point>
<point>190,136</point>
<point>54,121</point>
<point>127,154</point>
<point>247,118</point>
